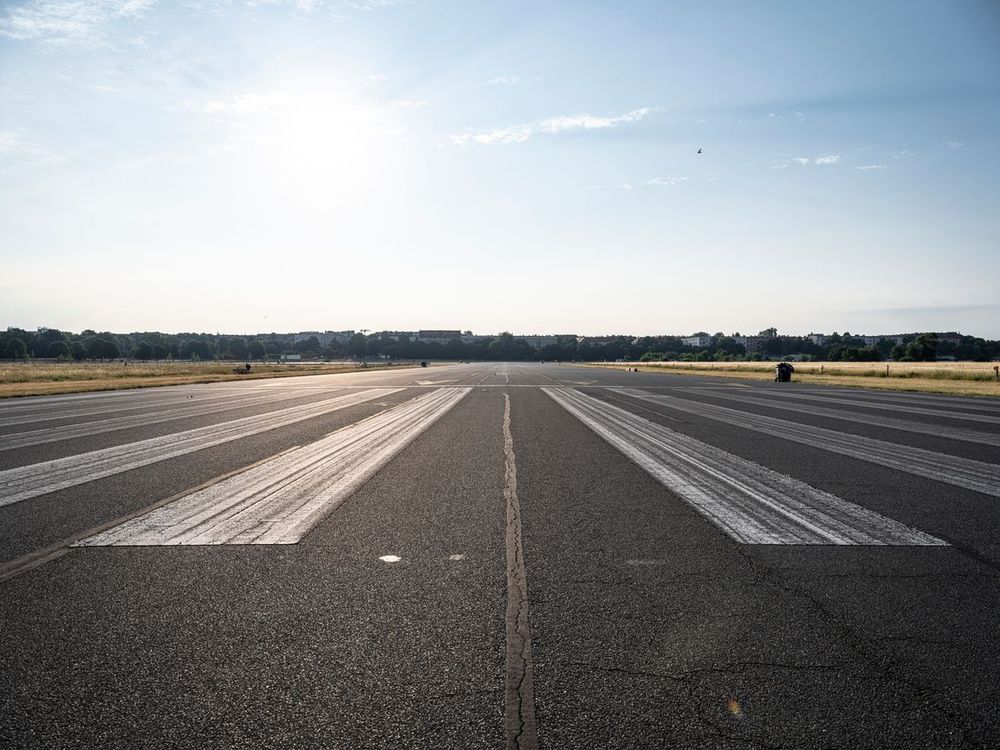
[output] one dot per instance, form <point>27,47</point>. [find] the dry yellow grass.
<point>33,379</point>
<point>955,378</point>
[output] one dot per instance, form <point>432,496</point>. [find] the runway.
<point>499,555</point>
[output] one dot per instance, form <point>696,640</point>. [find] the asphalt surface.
<point>570,577</point>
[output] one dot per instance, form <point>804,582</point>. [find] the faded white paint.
<point>279,501</point>
<point>751,503</point>
<point>876,420</point>
<point>48,476</point>
<point>960,472</point>
<point>185,409</point>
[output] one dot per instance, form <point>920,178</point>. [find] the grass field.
<point>35,379</point>
<point>957,378</point>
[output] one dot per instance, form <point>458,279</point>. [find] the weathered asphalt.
<point>649,626</point>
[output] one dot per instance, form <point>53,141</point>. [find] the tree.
<point>358,345</point>
<point>17,349</point>
<point>196,350</point>
<point>256,350</point>
<point>144,351</point>
<point>923,348</point>
<point>58,349</point>
<point>104,349</point>
<point>237,348</point>
<point>160,352</point>
<point>78,350</point>
<point>307,346</point>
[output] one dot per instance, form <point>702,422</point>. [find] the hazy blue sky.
<point>253,166</point>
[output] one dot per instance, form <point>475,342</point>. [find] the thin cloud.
<point>370,4</point>
<point>304,6</point>
<point>868,167</point>
<point>954,144</point>
<point>409,103</point>
<point>549,126</point>
<point>19,152</point>
<point>244,105</point>
<point>822,160</point>
<point>508,80</point>
<point>67,20</point>
<point>665,181</point>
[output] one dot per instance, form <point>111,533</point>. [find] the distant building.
<point>291,357</point>
<point>438,336</point>
<point>895,338</point>
<point>697,342</point>
<point>537,342</point>
<point>752,344</point>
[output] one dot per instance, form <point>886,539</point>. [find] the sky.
<point>246,166</point>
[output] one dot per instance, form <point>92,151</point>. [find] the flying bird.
<point>699,150</point>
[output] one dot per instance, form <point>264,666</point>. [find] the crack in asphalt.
<point>860,645</point>
<point>520,704</point>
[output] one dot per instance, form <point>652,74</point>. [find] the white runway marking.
<point>185,409</point>
<point>280,501</point>
<point>32,412</point>
<point>960,472</point>
<point>907,399</point>
<point>946,414</point>
<point>39,479</point>
<point>953,433</point>
<point>751,503</point>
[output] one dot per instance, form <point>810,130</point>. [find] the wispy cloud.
<point>954,144</point>
<point>821,160</point>
<point>665,181</point>
<point>507,80</point>
<point>653,182</point>
<point>409,103</point>
<point>549,126</point>
<point>67,20</point>
<point>249,104</point>
<point>370,4</point>
<point>305,6</point>
<point>868,167</point>
<point>18,151</point>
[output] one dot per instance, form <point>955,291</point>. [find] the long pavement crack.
<point>520,695</point>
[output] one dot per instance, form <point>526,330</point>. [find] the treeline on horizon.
<point>19,344</point>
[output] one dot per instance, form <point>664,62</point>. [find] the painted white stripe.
<point>874,396</point>
<point>943,412</point>
<point>751,503</point>
<point>280,501</point>
<point>960,472</point>
<point>187,408</point>
<point>904,425</point>
<point>39,479</point>
<point>31,413</point>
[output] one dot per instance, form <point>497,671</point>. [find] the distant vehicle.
<point>423,364</point>
<point>783,372</point>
